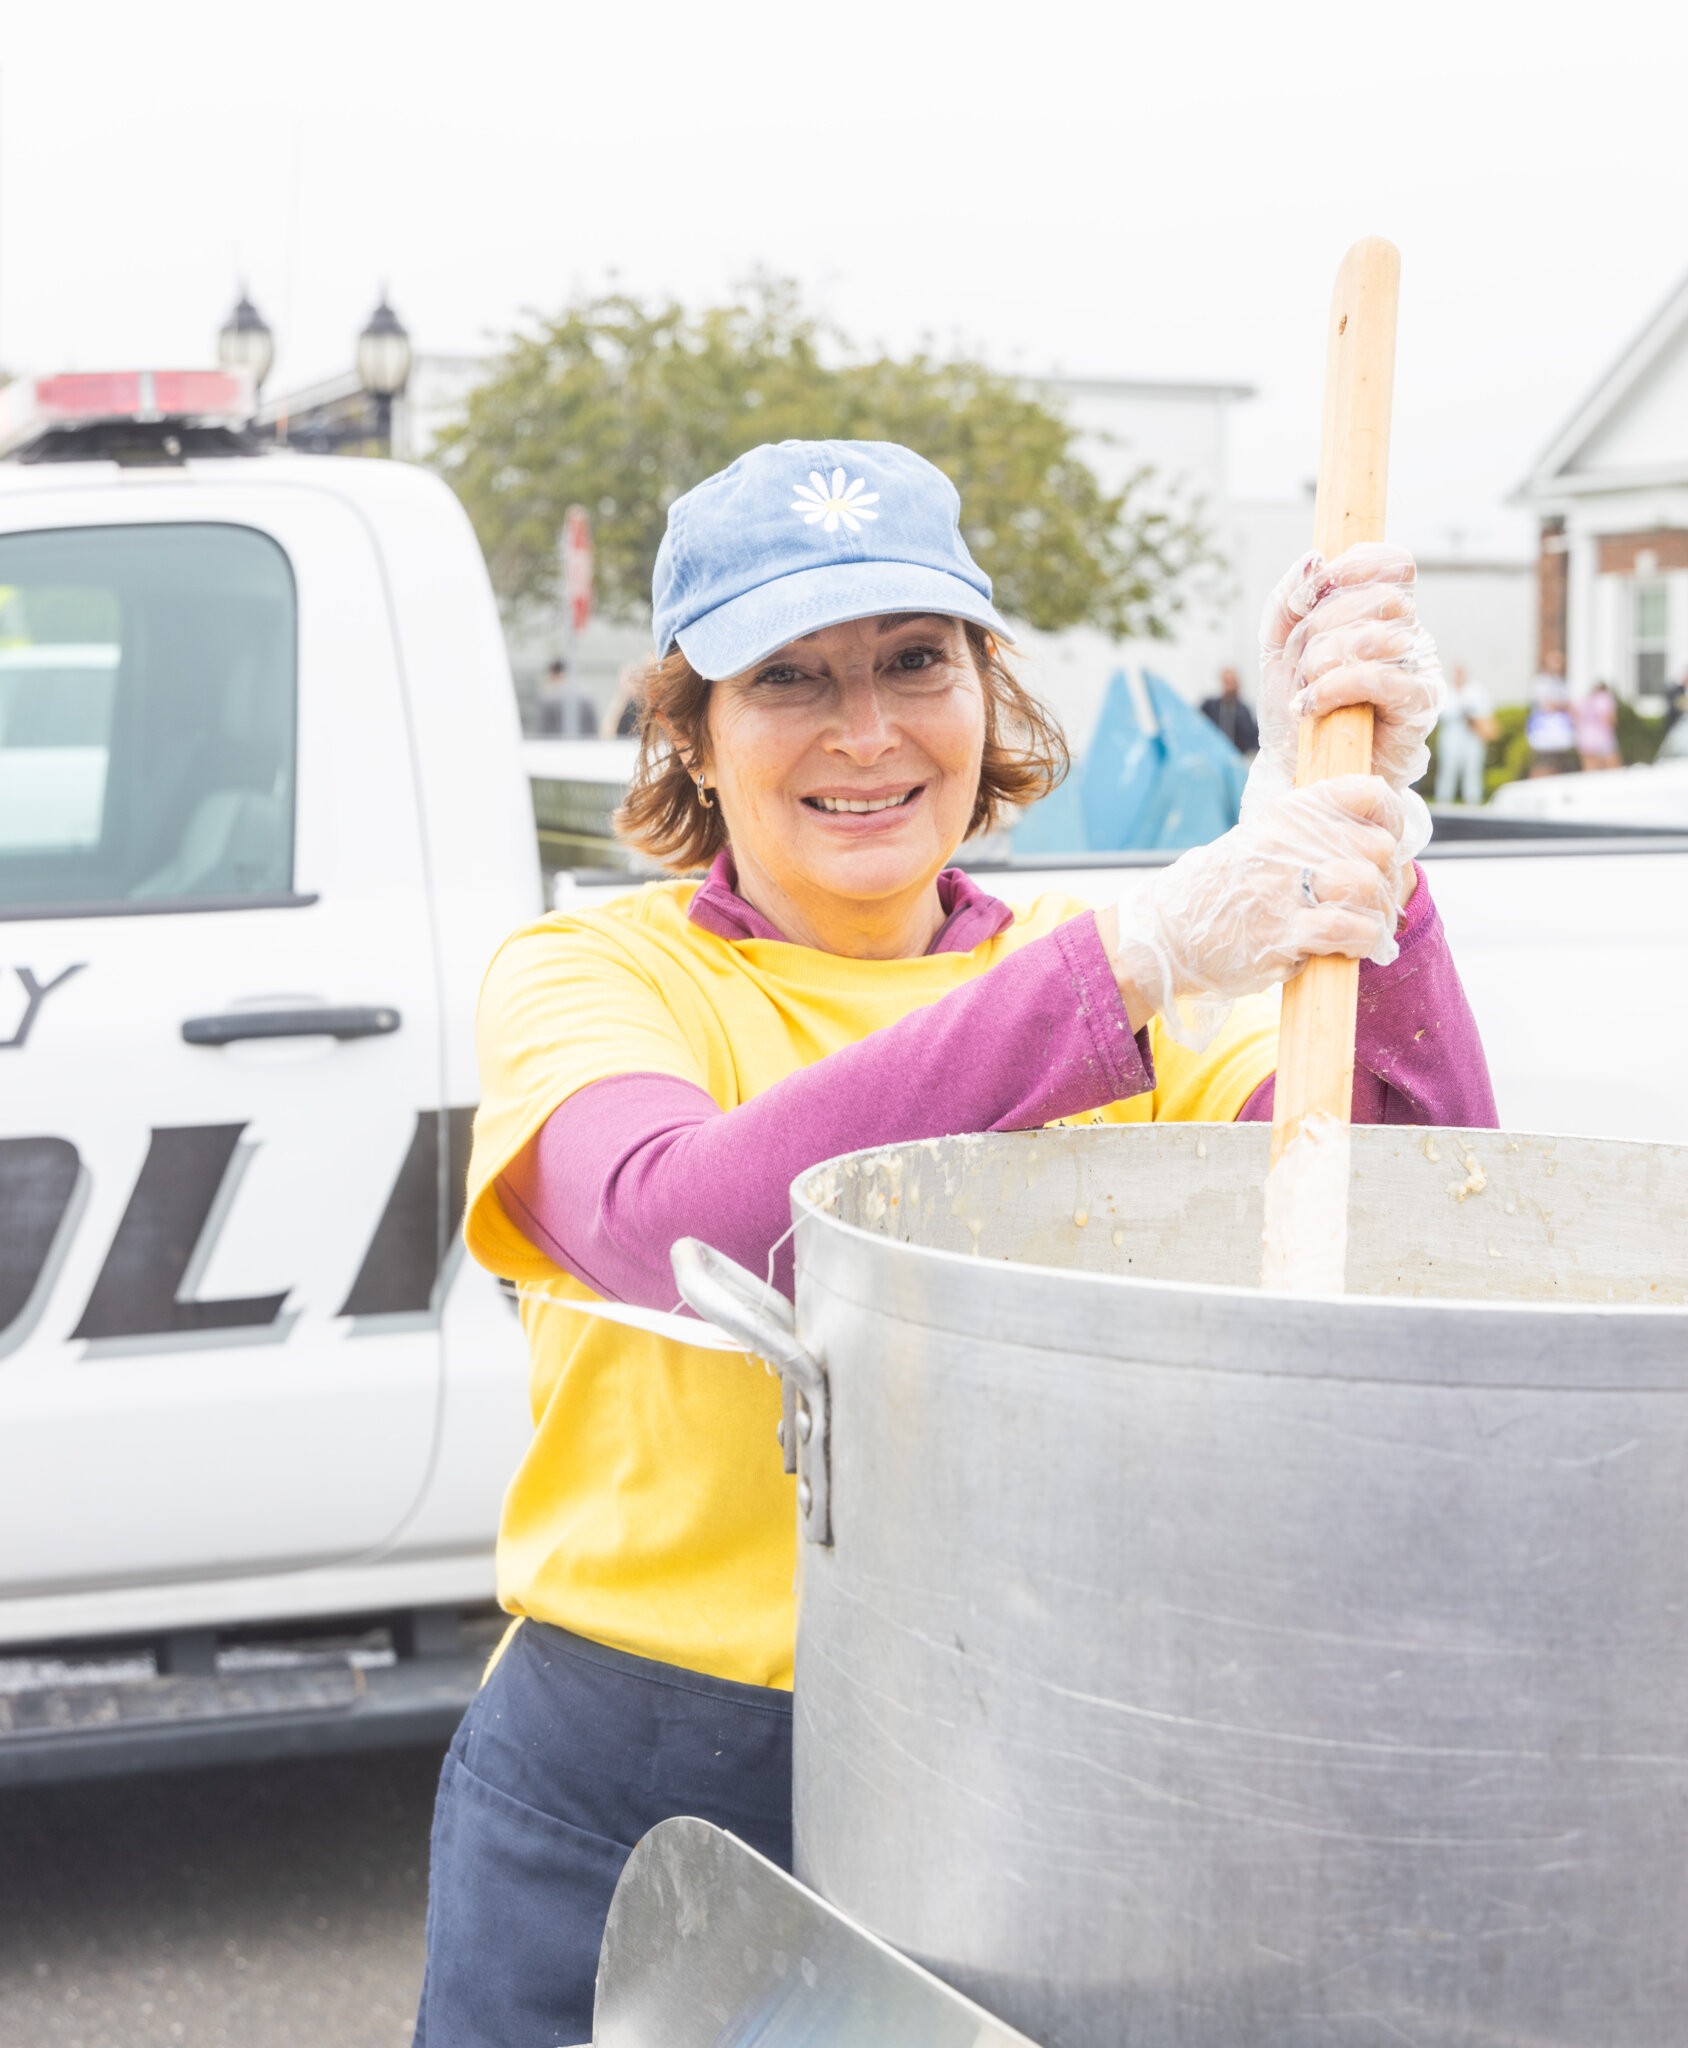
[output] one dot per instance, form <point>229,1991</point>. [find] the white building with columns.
<point>1611,493</point>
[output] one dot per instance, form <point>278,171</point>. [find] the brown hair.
<point>1025,757</point>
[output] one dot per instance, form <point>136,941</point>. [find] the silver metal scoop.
<point>710,1946</point>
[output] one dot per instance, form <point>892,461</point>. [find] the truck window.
<point>148,677</point>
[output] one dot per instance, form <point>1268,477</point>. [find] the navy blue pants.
<point>567,1755</point>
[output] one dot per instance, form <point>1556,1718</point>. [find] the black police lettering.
<point>179,1186</point>
<point>174,1216</point>
<point>38,1177</point>
<point>35,993</point>
<point>409,1254</point>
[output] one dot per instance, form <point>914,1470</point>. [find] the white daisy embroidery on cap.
<point>829,505</point>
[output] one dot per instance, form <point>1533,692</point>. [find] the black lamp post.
<point>245,341</point>
<point>383,362</point>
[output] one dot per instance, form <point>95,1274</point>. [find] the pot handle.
<point>764,1322</point>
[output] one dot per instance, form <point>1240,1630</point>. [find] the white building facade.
<point>1611,493</point>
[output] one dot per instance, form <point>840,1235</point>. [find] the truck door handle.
<point>351,1021</point>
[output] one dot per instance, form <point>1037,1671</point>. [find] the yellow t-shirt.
<point>651,1511</point>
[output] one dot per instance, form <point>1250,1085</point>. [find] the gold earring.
<point>703,796</point>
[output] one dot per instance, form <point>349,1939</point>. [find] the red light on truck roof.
<point>202,394</point>
<point>32,407</point>
<point>97,394</point>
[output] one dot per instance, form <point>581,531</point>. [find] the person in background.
<point>565,710</point>
<point>1550,729</point>
<point>1463,734</point>
<point>1596,721</point>
<point>1232,716</point>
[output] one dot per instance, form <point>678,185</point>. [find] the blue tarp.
<point>1135,788</point>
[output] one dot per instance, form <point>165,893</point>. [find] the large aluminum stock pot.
<point>1184,1666</point>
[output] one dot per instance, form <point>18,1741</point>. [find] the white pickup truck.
<point>264,815</point>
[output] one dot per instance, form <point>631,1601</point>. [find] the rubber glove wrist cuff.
<point>1143,959</point>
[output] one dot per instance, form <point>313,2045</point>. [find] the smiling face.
<point>847,766</point>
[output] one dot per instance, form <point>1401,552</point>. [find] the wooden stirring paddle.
<point>1306,1233</point>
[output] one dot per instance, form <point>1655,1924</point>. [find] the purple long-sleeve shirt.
<point>626,1166</point>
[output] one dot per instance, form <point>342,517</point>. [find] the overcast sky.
<point>1121,190</point>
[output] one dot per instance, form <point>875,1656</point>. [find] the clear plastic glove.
<point>1348,632</point>
<point>1318,871</point>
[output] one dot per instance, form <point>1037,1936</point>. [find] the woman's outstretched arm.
<point>626,1166</point>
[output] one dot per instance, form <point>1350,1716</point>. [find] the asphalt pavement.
<point>270,1906</point>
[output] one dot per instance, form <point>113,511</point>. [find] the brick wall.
<point>1550,592</point>
<point>1668,544</point>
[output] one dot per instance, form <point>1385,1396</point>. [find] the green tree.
<point>619,406</point>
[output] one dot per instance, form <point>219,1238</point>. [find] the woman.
<point>828,718</point>
<point>1596,718</point>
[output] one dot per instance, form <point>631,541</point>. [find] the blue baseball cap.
<point>798,535</point>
